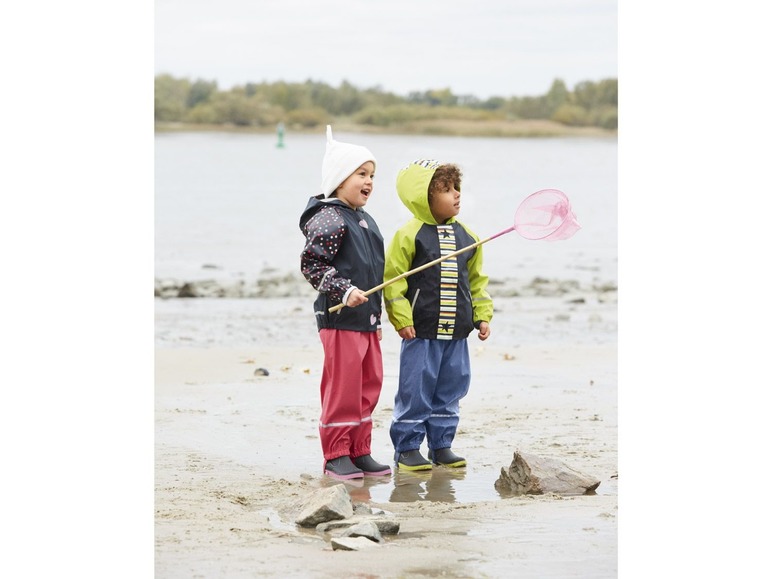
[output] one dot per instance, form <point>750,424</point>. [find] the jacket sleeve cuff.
<point>348,293</point>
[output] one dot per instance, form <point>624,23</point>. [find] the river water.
<point>227,204</point>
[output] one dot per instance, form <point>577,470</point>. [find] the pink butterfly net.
<point>546,215</point>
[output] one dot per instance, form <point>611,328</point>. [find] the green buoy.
<point>280,135</point>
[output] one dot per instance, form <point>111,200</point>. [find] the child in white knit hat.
<point>343,256</point>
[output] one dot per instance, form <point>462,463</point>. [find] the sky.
<point>485,48</point>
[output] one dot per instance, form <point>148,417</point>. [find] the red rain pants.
<point>351,384</point>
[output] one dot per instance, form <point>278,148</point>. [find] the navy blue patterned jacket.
<point>344,247</point>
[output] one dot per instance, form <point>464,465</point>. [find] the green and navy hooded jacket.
<point>444,301</point>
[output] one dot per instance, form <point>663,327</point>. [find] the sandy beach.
<point>237,453</point>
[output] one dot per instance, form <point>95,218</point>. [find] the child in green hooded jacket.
<point>433,310</point>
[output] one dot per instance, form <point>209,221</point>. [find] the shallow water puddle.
<point>445,485</point>
<point>273,519</point>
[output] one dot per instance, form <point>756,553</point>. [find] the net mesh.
<point>546,215</point>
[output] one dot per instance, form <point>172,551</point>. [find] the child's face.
<point>356,189</point>
<point>445,204</point>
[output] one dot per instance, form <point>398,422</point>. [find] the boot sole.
<point>337,476</point>
<point>457,464</point>
<point>384,472</point>
<point>402,466</point>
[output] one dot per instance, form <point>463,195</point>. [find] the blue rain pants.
<point>434,375</point>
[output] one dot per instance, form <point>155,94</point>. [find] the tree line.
<point>311,104</point>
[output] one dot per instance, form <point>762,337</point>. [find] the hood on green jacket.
<point>413,188</point>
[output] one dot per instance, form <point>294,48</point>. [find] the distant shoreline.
<point>454,128</point>
<point>293,284</point>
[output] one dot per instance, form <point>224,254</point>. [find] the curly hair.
<point>445,177</point>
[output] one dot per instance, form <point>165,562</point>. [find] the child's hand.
<point>484,331</point>
<point>356,298</point>
<point>407,333</point>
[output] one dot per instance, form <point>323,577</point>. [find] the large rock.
<point>330,504</point>
<point>385,526</point>
<point>366,529</point>
<point>352,544</point>
<point>536,475</point>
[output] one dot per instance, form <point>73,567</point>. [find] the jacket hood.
<point>413,188</point>
<point>314,205</point>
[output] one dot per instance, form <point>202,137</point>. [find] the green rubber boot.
<point>446,457</point>
<point>412,460</point>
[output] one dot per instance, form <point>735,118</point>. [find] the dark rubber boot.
<point>371,468</point>
<point>446,457</point>
<point>412,460</point>
<point>342,468</point>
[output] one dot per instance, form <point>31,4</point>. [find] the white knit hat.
<point>340,161</point>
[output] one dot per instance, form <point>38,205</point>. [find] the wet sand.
<point>237,453</point>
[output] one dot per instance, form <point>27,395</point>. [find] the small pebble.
<point>261,372</point>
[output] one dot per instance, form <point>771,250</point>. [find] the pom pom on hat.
<point>340,161</point>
